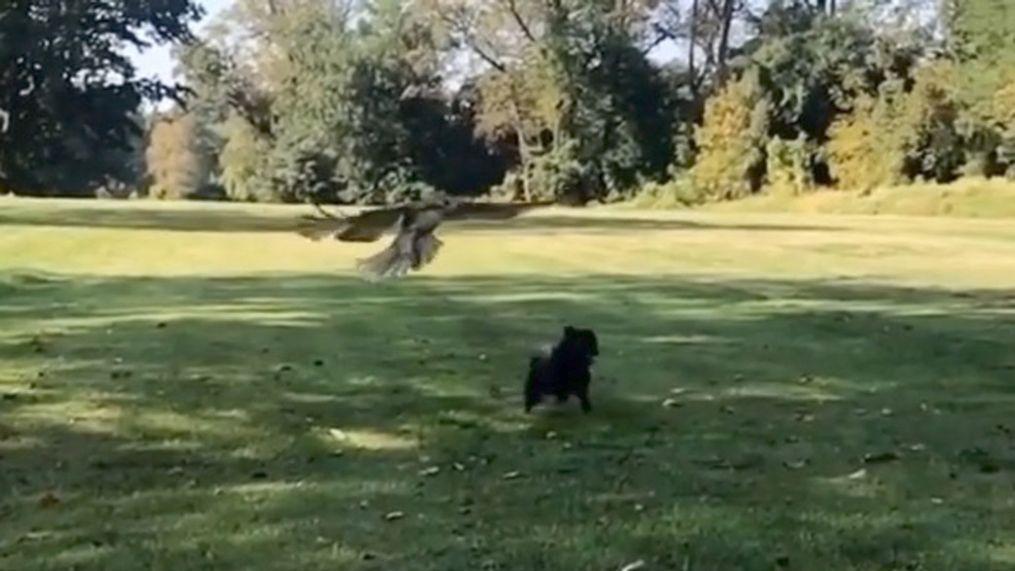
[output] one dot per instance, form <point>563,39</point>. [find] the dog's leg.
<point>531,400</point>
<point>532,394</point>
<point>583,396</point>
<point>583,392</point>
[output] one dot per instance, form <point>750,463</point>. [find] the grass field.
<point>970,197</point>
<point>194,387</point>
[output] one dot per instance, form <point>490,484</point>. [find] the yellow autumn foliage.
<point>731,141</point>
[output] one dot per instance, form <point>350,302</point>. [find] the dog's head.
<point>582,341</point>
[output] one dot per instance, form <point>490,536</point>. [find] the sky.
<point>157,61</point>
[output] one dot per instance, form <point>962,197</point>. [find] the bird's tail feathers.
<point>404,254</point>
<point>426,250</point>
<point>387,263</point>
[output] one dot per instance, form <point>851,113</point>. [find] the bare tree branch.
<point>513,9</point>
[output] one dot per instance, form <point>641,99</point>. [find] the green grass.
<point>193,387</point>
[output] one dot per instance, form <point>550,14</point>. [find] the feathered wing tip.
<point>318,229</point>
<point>399,258</point>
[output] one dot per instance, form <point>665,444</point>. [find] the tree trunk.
<point>692,45</point>
<point>724,40</point>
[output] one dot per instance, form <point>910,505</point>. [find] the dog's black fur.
<point>565,371</point>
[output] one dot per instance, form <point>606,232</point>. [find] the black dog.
<point>565,371</point>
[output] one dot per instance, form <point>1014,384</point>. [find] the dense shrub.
<point>176,165</point>
<point>731,140</point>
<point>789,166</point>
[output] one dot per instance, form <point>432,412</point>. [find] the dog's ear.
<point>569,330</point>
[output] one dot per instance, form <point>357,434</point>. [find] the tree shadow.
<point>210,423</point>
<point>227,220</point>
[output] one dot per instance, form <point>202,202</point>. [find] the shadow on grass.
<point>236,220</point>
<point>302,421</point>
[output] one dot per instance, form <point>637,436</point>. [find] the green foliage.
<point>931,125</point>
<point>732,140</point>
<point>1004,112</point>
<point>982,38</point>
<point>615,107</point>
<point>68,122</point>
<point>902,135</point>
<point>865,149</point>
<point>242,162</point>
<point>815,67</point>
<point>678,192</point>
<point>373,101</point>
<point>559,175</point>
<point>789,167</point>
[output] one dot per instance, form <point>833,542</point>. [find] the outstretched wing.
<point>367,226</point>
<point>491,210</point>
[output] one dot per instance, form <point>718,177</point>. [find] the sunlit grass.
<point>194,387</point>
<point>968,197</point>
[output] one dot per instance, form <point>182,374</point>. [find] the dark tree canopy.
<point>69,90</point>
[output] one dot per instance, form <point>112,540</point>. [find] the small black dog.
<point>565,370</point>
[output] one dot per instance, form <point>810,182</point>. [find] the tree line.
<point>375,101</point>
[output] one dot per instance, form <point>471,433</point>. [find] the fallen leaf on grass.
<point>392,516</point>
<point>49,500</point>
<point>743,463</point>
<point>512,475</point>
<point>975,455</point>
<point>34,536</point>
<point>796,464</point>
<point>861,473</point>
<point>880,457</point>
<point>431,471</point>
<point>633,566</point>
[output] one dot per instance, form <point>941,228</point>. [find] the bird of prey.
<point>415,244</point>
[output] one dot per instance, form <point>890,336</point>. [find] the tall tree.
<point>68,89</point>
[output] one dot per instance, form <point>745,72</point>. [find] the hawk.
<point>415,244</point>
